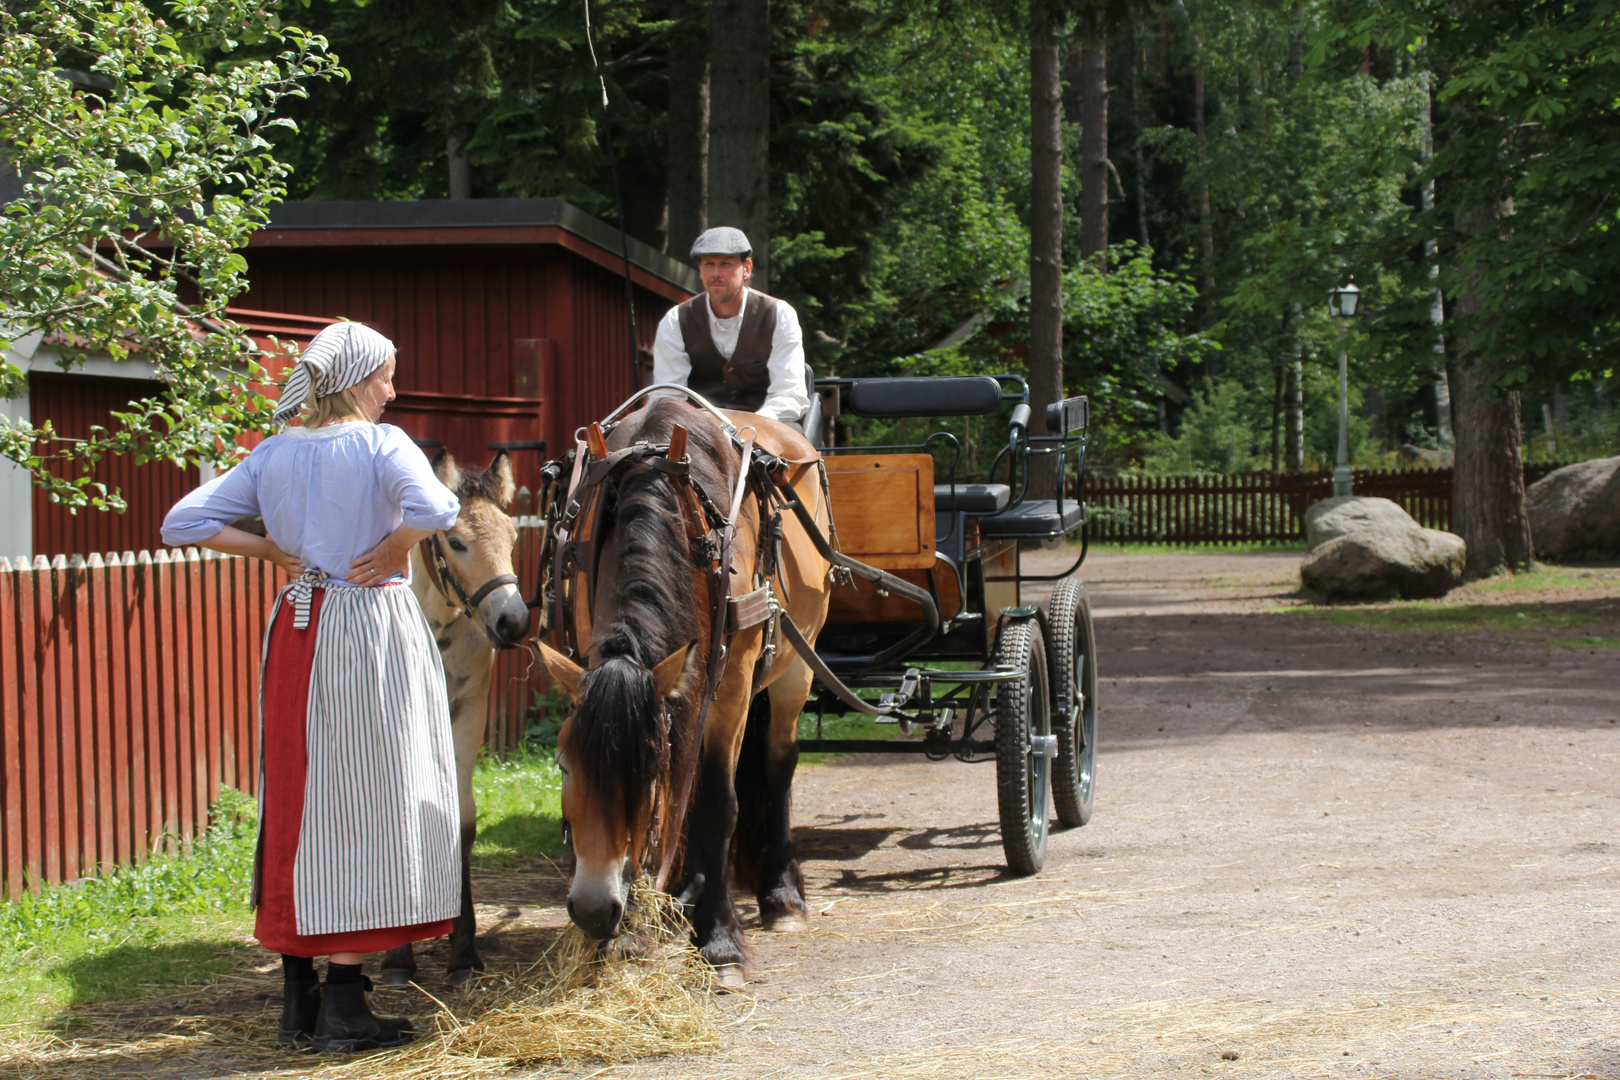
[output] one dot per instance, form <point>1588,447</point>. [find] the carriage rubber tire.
<point>1023,707</point>
<point>1072,655</point>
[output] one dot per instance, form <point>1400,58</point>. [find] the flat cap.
<point>722,240</point>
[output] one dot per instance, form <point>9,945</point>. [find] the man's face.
<point>724,275</point>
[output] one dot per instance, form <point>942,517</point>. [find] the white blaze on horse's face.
<point>600,838</point>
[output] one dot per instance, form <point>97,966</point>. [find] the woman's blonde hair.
<point>338,406</point>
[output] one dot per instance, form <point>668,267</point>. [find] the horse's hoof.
<point>785,922</point>
<point>729,979</point>
<point>463,979</point>
<point>396,976</point>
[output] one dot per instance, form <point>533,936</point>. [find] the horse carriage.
<point>959,657</point>
<point>692,557</point>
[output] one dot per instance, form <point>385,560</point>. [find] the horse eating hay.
<point>468,624</point>
<point>678,754</point>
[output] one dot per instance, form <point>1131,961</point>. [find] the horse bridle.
<point>439,570</point>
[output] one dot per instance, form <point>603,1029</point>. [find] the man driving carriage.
<point>733,344</point>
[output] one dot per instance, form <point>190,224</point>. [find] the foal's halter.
<point>439,572</point>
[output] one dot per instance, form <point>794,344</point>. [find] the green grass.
<point>1549,576</point>
<point>519,809</point>
<point>1546,624</point>
<point>854,726</point>
<point>1246,548</point>
<point>177,920</point>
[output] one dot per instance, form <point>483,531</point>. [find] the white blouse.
<point>327,495</point>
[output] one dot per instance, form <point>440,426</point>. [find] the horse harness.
<point>710,533</point>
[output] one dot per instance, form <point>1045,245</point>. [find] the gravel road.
<point>1317,852</point>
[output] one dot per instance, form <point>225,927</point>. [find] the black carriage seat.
<point>972,498</point>
<point>1034,519</point>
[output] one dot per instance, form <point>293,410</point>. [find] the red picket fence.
<point>129,696</point>
<point>129,690</point>
<point>1249,507</point>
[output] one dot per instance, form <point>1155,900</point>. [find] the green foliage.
<point>173,920</point>
<point>1219,433</point>
<point>1525,171</point>
<point>126,195</point>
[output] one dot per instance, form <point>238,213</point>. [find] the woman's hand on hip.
<point>388,559</point>
<point>287,562</point>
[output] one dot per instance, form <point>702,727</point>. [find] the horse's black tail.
<point>754,798</point>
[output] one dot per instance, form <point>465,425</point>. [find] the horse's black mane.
<point>621,734</point>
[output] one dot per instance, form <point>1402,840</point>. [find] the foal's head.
<point>478,548</point>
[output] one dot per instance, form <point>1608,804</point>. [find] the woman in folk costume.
<point>358,833</point>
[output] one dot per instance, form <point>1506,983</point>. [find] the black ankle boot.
<point>300,1006</point>
<point>347,1023</point>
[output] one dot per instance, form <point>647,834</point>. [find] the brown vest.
<point>742,381</point>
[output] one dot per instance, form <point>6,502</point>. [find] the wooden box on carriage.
<point>883,506</point>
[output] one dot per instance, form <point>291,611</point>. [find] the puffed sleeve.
<point>408,479</point>
<point>228,497</point>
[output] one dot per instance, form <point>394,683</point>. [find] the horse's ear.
<point>505,485</point>
<point>564,672</point>
<point>444,467</point>
<point>667,672</point>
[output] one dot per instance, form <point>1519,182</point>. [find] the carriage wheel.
<point>1023,733</point>
<point>1073,654</point>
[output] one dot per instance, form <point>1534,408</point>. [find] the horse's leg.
<point>464,958</point>
<point>717,930</point>
<point>780,885</point>
<point>469,721</point>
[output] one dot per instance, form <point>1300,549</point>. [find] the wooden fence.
<point>129,696</point>
<point>1251,507</point>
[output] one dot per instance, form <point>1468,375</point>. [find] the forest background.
<point>1147,201</point>
<point>1257,153</point>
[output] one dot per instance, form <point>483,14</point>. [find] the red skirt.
<point>287,664</point>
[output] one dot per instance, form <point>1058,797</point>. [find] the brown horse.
<point>632,754</point>
<point>476,552</point>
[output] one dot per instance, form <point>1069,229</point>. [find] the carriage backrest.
<point>953,395</point>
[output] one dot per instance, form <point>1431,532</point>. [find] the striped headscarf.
<point>341,356</point>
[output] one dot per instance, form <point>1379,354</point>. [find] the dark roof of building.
<point>519,215</point>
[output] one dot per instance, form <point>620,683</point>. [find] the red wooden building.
<point>510,314</point>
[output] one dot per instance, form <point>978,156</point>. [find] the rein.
<point>439,572</point>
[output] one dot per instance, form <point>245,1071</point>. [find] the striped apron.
<point>379,841</point>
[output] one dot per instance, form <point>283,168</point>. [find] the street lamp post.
<point>1342,305</point>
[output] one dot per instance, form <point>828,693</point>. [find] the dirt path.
<point>1319,851</point>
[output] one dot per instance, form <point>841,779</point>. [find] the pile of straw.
<point>573,1006</point>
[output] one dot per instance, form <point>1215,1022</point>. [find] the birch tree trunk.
<point>1294,393</point>
<point>687,126</point>
<point>740,123</point>
<point>1046,229</point>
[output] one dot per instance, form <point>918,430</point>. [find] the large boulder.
<point>1382,562</point>
<point>1576,510</point>
<point>1345,514</point>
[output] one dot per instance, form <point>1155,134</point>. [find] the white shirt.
<point>327,495</point>
<point>785,398</point>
